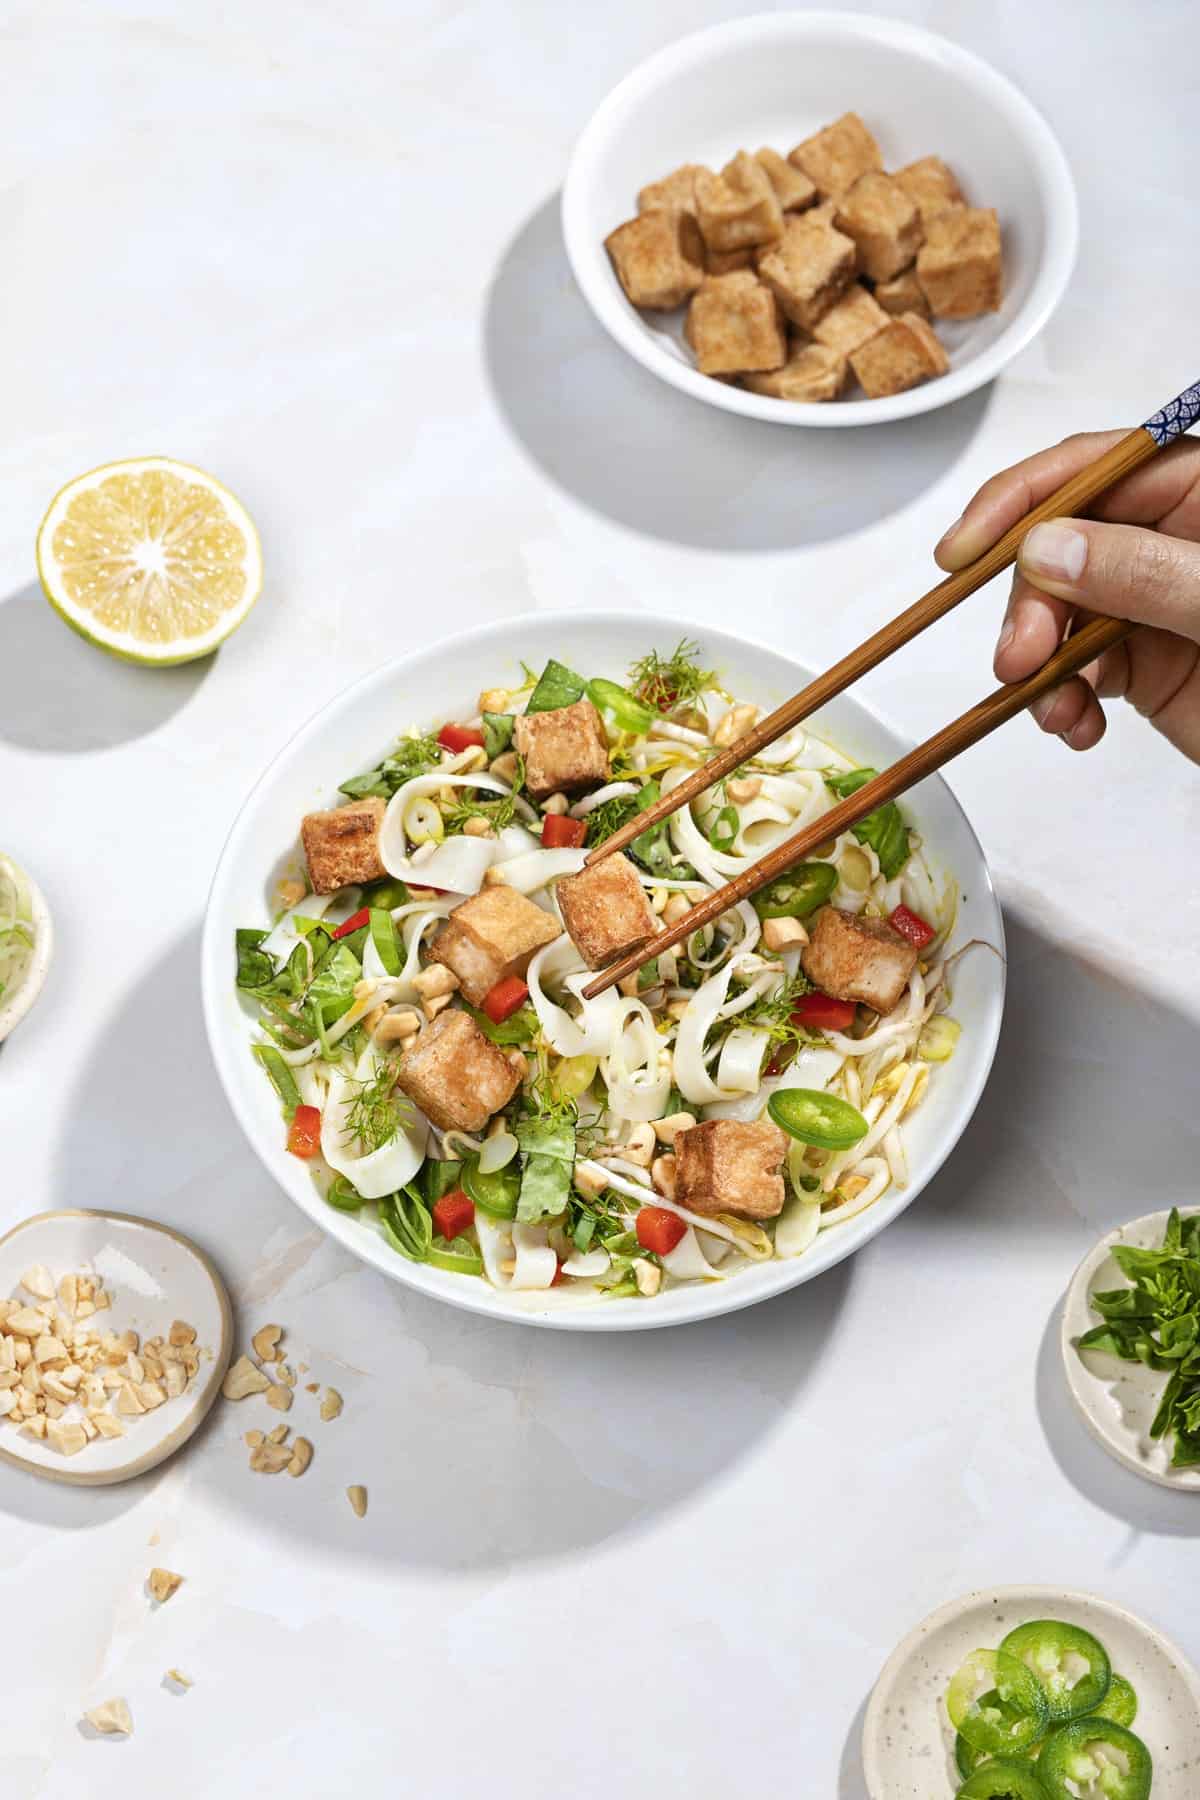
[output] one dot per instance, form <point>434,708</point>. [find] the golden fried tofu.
<point>812,372</point>
<point>833,159</point>
<point>850,321</point>
<point>658,257</point>
<point>901,356</point>
<point>605,911</point>
<point>733,324</point>
<point>884,223</point>
<point>456,1077</point>
<point>565,749</point>
<point>676,192</point>
<point>792,186</point>
<point>852,958</point>
<point>491,935</point>
<point>903,293</point>
<point>809,268</point>
<point>739,207</point>
<point>342,846</point>
<point>930,185</point>
<point>959,264</point>
<point>728,262</point>
<point>727,1166</point>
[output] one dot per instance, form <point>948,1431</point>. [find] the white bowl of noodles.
<point>26,944</point>
<point>421,691</point>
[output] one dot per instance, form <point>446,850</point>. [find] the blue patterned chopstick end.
<point>1176,417</point>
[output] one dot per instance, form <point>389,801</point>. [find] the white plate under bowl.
<point>21,999</point>
<point>443,681</point>
<point>1117,1400</point>
<point>908,1740</point>
<point>154,1276</point>
<point>775,78</point>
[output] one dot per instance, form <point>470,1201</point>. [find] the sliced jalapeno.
<point>618,704</point>
<point>1053,1651</point>
<point>460,1257</point>
<point>814,1117</point>
<point>798,893</point>
<point>1095,1759</point>
<point>1002,1780</point>
<point>1120,1704</point>
<point>495,1193</point>
<point>966,1756</point>
<point>1018,1714</point>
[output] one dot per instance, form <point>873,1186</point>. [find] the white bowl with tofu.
<point>444,681</point>
<point>895,96</point>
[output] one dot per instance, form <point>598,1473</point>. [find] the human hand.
<point>1138,559</point>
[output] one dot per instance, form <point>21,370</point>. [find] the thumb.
<point>1120,570</point>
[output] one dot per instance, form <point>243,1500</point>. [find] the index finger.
<point>1142,498</point>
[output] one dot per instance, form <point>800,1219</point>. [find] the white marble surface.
<point>315,248</point>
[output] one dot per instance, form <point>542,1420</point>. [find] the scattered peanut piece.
<point>111,1716</point>
<point>357,1496</point>
<point>252,1439</point>
<point>242,1379</point>
<point>270,1459</point>
<point>265,1341</point>
<point>39,1282</point>
<point>163,1583</point>
<point>178,1677</point>
<point>277,1434</point>
<point>331,1403</point>
<point>312,1387</point>
<point>279,1397</point>
<point>302,1455</point>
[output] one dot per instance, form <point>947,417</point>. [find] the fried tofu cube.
<point>792,186</point>
<point>852,958</point>
<point>901,356</point>
<point>490,936</point>
<point>605,911</point>
<point>658,257</point>
<point>728,262</point>
<point>959,264</point>
<point>456,1077</point>
<point>739,207</point>
<point>342,846</point>
<point>884,223</point>
<point>733,325</point>
<point>676,192</point>
<point>833,159</point>
<point>930,185</point>
<point>565,749</point>
<point>811,372</point>
<point>809,268</point>
<point>903,293</point>
<point>850,321</point>
<point>727,1166</point>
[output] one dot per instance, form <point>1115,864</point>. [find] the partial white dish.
<point>443,681</point>
<point>18,994</point>
<point>155,1275</point>
<point>1117,1400</point>
<point>908,1741</point>
<point>773,79</point>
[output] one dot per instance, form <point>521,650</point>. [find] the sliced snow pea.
<point>818,1118</point>
<point>1053,1651</point>
<point>996,1703</point>
<point>1095,1759</point>
<point>1002,1780</point>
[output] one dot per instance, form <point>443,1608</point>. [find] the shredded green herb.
<point>498,813</point>
<point>669,682</point>
<point>377,1112</point>
<point>412,756</point>
<point>883,830</point>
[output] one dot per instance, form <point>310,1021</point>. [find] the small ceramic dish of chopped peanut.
<point>115,1334</point>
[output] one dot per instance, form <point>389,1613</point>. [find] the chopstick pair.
<point>1082,647</point>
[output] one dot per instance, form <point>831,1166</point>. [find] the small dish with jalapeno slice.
<point>1062,1641</point>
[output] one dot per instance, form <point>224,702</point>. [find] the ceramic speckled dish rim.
<point>1088,1390</point>
<point>205,1394</point>
<point>1042,1602</point>
<point>34,979</point>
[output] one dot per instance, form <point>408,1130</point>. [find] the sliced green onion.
<point>343,1196</point>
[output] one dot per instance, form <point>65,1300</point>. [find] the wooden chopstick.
<point>1136,448</point>
<point>1081,648</point>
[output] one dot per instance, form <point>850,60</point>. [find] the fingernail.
<point>1007,633</point>
<point>951,529</point>
<point>1055,550</point>
<point>1041,708</point>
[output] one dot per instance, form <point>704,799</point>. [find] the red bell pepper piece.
<point>304,1132</point>
<point>452,1214</point>
<point>823,1013</point>
<point>501,1001</point>
<point>459,737</point>
<point>912,926</point>
<point>659,1230</point>
<point>561,833</point>
<point>558,1274</point>
<point>353,923</point>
